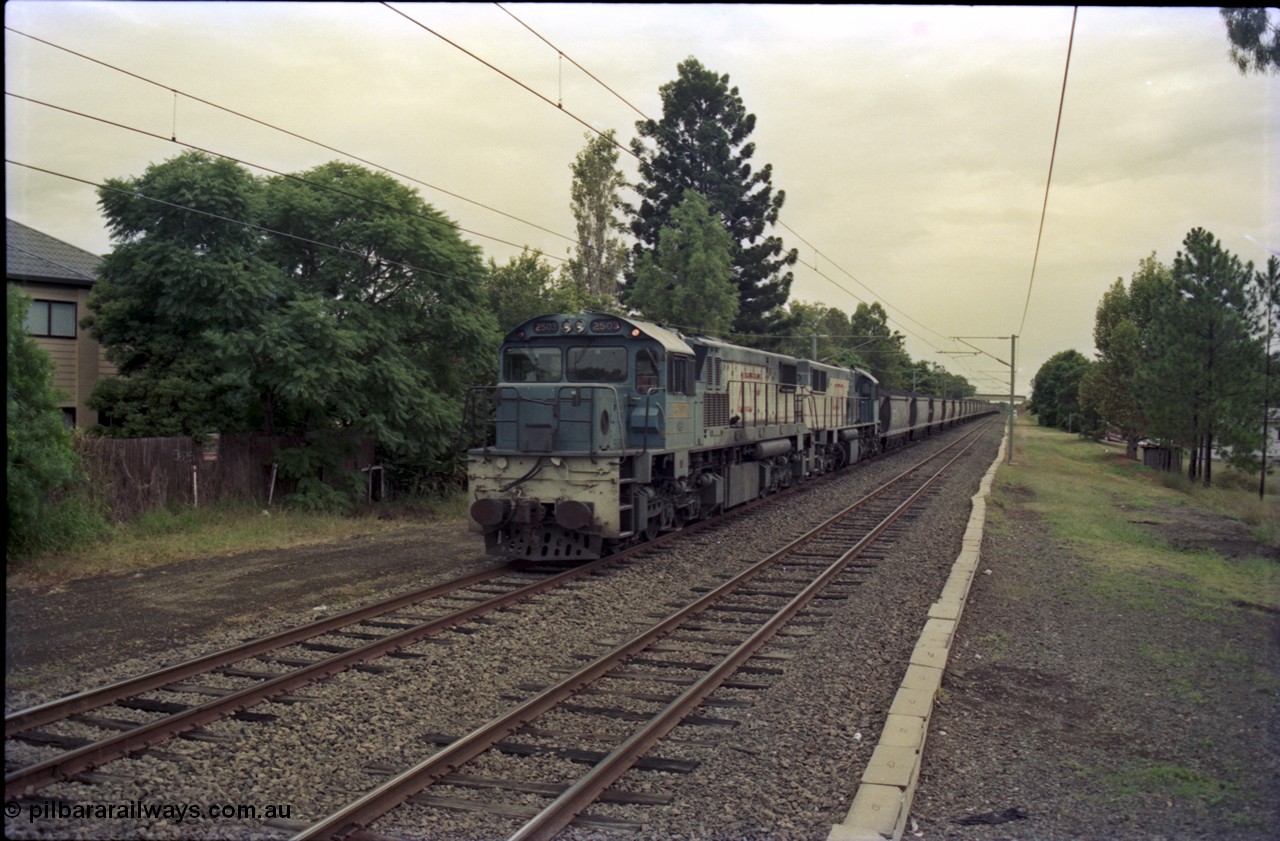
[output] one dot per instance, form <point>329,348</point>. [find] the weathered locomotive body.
<point>603,430</point>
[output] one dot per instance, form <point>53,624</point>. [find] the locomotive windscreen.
<point>595,364</point>
<point>532,365</point>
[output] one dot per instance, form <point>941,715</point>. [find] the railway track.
<point>335,644</point>
<point>697,649</point>
<point>348,640</point>
<point>259,672</point>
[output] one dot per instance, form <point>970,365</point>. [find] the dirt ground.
<point>1071,709</point>
<point>58,628</point>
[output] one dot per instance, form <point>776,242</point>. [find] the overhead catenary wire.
<point>1053,153</point>
<point>296,135</point>
<point>252,225</point>
<point>176,93</point>
<point>442,220</point>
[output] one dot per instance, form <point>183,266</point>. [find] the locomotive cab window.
<point>532,365</point>
<point>680,375</point>
<point>646,370</point>
<point>597,364</point>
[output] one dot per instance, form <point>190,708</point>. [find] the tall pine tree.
<point>701,144</point>
<point>1203,383</point>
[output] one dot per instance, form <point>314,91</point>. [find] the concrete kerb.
<point>882,801</point>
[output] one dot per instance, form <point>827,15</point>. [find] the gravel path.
<point>1038,701</point>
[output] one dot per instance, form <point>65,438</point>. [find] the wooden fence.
<point>139,474</point>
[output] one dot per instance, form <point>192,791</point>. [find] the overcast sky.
<point>913,142</point>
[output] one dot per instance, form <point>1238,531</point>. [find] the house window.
<point>69,418</point>
<point>52,318</point>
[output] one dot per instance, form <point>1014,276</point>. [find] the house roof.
<point>33,256</point>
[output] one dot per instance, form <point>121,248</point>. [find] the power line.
<point>442,220</point>
<point>512,79</point>
<point>251,225</point>
<point>290,133</point>
<point>1044,209</point>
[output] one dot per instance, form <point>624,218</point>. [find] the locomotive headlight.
<point>568,326</point>
<point>579,326</point>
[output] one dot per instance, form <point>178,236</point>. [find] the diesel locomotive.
<point>605,430</point>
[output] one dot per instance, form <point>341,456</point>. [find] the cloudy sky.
<point>913,142</point>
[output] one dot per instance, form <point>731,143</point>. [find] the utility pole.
<point>1266,389</point>
<point>1013,374</point>
<point>1013,377</point>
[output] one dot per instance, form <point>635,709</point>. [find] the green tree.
<point>818,332</point>
<point>879,348</point>
<point>174,280</point>
<point>364,313</point>
<point>525,287</point>
<point>688,280</point>
<point>1054,391</point>
<point>1255,40</point>
<point>596,268</point>
<point>383,336</point>
<point>701,144</point>
<point>1122,323</point>
<point>1204,383</point>
<point>40,463</point>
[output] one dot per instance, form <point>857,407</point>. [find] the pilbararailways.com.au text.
<point>139,810</point>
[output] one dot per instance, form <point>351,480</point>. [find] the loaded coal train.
<point>605,431</point>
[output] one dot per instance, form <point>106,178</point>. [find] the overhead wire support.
<point>509,77</point>
<point>1044,209</point>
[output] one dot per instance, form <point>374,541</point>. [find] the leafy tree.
<point>701,145</point>
<point>527,287</point>
<point>819,332</point>
<point>596,268</point>
<point>688,279</point>
<point>1255,40</point>
<point>396,317</point>
<point>40,462</point>
<point>1270,287</point>
<point>881,348</point>
<point>1111,388</point>
<point>1204,381</point>
<point>364,314</point>
<point>1054,391</point>
<point>174,280</point>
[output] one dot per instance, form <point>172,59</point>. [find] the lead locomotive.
<point>605,430</point>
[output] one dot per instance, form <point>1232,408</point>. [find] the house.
<point>57,277</point>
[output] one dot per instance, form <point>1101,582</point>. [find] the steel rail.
<point>561,811</point>
<point>60,708</point>
<point>362,812</point>
<point>24,780</point>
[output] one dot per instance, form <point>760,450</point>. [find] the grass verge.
<point>165,536</point>
<point>1126,517</point>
